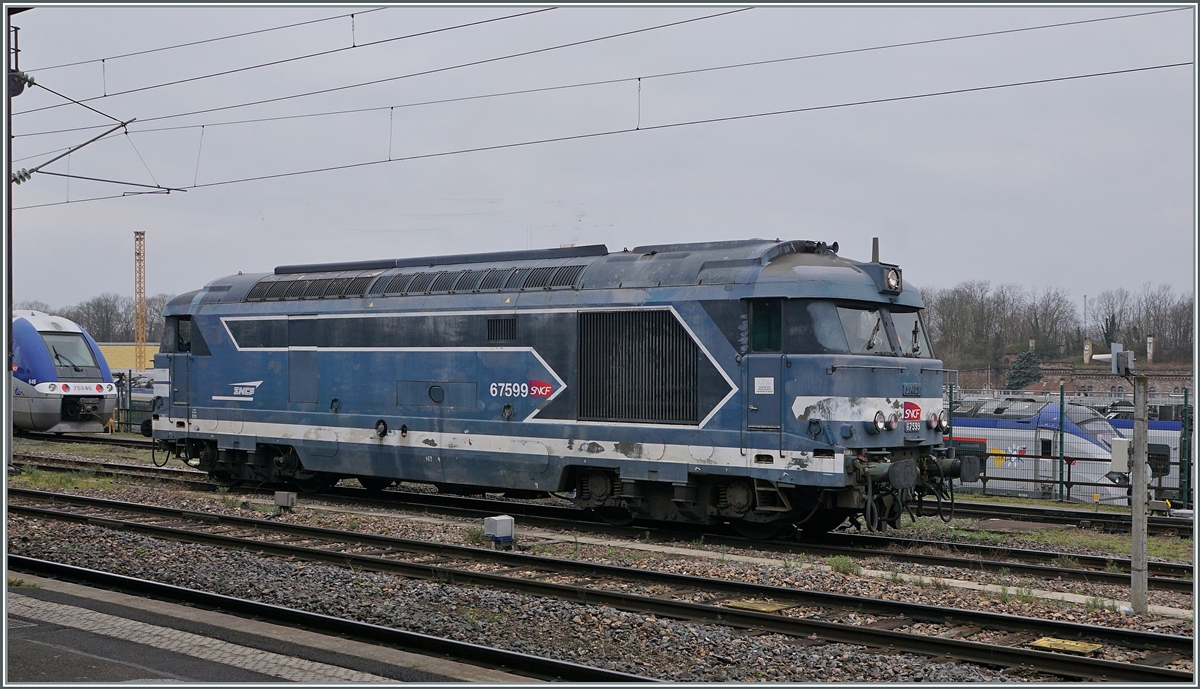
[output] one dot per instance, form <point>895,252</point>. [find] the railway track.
<point>1164,576</point>
<point>531,666</point>
<point>1108,521</point>
<point>673,595</point>
<point>98,439</point>
<point>1156,525</point>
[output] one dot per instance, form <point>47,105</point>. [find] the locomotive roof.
<point>763,268</point>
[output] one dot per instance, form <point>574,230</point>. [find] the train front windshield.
<point>1091,422</point>
<point>69,349</point>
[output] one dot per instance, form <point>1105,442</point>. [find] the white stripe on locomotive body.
<point>860,408</point>
<point>715,456</point>
<point>733,388</point>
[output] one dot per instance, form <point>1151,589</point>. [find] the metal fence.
<point>134,403</point>
<point>1029,449</point>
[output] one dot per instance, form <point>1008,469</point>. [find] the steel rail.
<point>573,514</point>
<point>934,614</point>
<point>377,635</point>
<point>1050,515</point>
<point>96,440</point>
<point>1165,569</point>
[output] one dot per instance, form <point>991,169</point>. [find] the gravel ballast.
<point>600,636</point>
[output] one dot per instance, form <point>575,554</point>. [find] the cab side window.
<point>766,325</point>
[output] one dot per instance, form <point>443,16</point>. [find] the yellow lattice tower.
<point>139,299</point>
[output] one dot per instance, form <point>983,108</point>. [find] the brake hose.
<point>870,513</point>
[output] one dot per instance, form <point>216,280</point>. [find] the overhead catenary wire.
<point>651,128</point>
<point>438,70</point>
<point>601,82</point>
<point>296,58</point>
<point>203,41</point>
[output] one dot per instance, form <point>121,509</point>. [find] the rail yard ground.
<point>641,644</point>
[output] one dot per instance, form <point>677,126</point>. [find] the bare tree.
<point>154,316</point>
<point>104,317</point>
<point>34,305</point>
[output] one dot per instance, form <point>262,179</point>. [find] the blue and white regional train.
<point>1018,438</point>
<point>760,383</point>
<point>61,382</point>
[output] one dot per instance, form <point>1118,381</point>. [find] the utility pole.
<point>13,86</point>
<point>139,299</point>
<point>1137,482</point>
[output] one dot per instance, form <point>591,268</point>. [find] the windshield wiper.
<point>60,357</point>
<point>874,336</point>
<point>916,346</point>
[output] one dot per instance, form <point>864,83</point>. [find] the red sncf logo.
<point>912,412</point>
<point>540,388</point>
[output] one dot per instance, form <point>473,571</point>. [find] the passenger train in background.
<point>766,384</point>
<point>1017,438</point>
<point>61,382</point>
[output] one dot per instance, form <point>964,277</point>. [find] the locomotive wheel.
<point>312,482</point>
<point>224,478</point>
<point>615,516</point>
<point>373,484</point>
<point>758,531</point>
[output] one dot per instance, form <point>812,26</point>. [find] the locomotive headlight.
<point>880,423</point>
<point>944,424</point>
<point>893,421</point>
<point>892,280</point>
<point>934,421</point>
<point>53,387</point>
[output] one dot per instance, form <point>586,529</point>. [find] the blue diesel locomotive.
<point>61,382</point>
<point>760,383</point>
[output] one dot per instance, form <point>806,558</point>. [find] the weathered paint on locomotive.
<point>51,392</point>
<point>408,387</point>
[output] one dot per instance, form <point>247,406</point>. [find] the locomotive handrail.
<point>835,367</point>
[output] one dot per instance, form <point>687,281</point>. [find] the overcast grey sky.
<point>1085,184</point>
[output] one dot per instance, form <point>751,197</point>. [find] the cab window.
<point>864,331</point>
<point>766,325</point>
<point>910,334</point>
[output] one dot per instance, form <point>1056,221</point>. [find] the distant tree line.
<point>974,326</point>
<point>110,317</point>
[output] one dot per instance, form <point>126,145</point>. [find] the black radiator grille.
<point>502,329</point>
<point>637,367</point>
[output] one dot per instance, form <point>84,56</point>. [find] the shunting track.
<point>1109,521</point>
<point>1164,576</point>
<point>672,595</point>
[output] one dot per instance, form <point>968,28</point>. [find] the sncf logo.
<point>247,389</point>
<point>540,388</point>
<point>912,412</point>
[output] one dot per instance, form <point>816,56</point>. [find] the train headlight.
<point>934,421</point>
<point>53,387</point>
<point>893,421</point>
<point>944,424</point>
<point>878,424</point>
<point>892,281</point>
